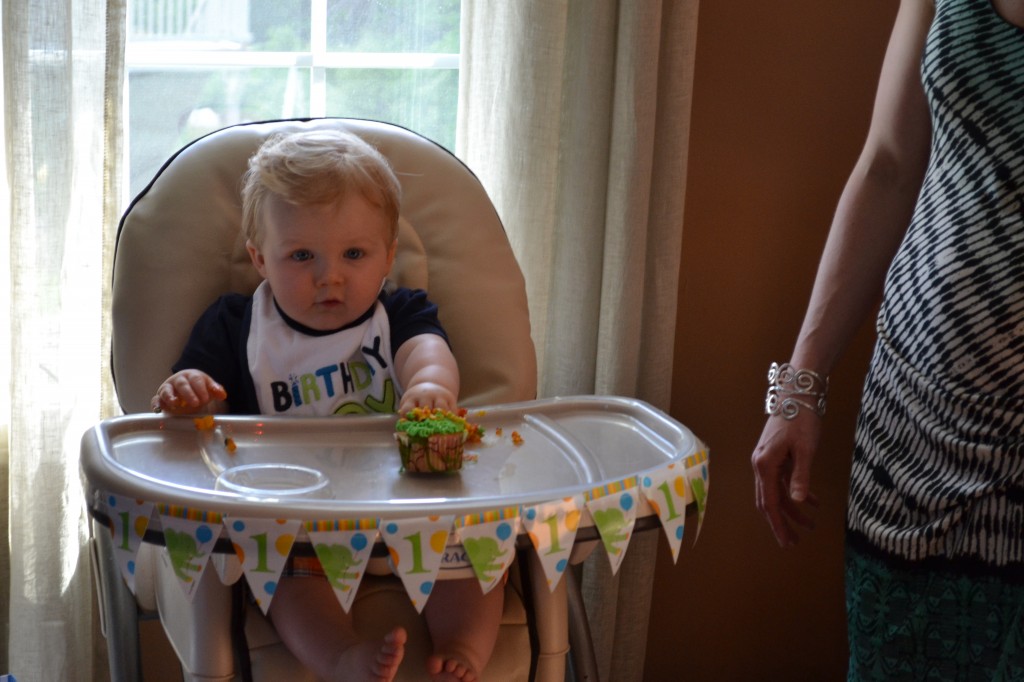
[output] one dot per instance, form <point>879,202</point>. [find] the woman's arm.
<point>870,222</point>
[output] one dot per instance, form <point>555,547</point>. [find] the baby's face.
<point>325,264</point>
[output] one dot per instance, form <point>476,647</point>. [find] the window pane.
<point>169,109</point>
<point>423,100</point>
<point>280,26</point>
<point>198,65</point>
<point>220,24</point>
<point>393,25</point>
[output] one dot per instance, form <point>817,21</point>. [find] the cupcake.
<point>432,441</point>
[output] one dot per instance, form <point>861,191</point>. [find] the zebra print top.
<point>954,302</point>
<point>939,458</point>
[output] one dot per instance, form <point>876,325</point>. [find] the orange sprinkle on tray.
<point>204,423</point>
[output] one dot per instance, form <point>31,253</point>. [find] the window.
<point>194,66</point>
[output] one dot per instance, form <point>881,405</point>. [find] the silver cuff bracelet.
<point>790,390</point>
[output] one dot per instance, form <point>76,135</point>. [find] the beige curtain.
<point>61,98</point>
<point>575,115</point>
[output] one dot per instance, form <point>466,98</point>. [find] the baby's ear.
<point>392,250</point>
<point>256,256</point>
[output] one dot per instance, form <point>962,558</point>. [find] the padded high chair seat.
<point>180,247</point>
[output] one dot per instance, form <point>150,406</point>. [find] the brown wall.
<point>782,99</point>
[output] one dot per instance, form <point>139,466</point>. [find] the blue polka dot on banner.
<point>626,501</point>
<point>531,513</point>
<point>504,531</point>
<point>112,501</point>
<point>238,525</point>
<point>679,533</point>
<point>359,541</point>
<point>648,482</point>
<point>426,587</point>
<point>131,567</point>
<point>560,566</point>
<point>269,587</point>
<point>204,534</point>
<point>392,528</point>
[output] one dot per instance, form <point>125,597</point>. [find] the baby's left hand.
<point>429,395</point>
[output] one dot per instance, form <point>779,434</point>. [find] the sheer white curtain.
<point>575,115</point>
<point>61,85</point>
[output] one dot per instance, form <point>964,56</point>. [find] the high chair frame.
<point>179,246</point>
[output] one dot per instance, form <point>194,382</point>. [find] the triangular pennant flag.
<point>489,540</point>
<point>263,547</point>
<point>343,548</point>
<point>665,490</point>
<point>416,547</point>
<point>613,509</point>
<point>700,481</point>
<point>551,527</point>
<point>129,519</point>
<point>189,537</point>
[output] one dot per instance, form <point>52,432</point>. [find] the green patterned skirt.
<point>912,623</point>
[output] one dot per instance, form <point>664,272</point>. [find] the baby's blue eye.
<point>302,255</point>
<point>354,254</point>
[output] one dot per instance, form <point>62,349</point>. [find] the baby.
<point>324,334</point>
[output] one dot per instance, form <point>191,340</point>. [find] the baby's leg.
<point>463,624</point>
<point>313,626</point>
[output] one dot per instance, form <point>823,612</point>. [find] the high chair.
<point>179,246</point>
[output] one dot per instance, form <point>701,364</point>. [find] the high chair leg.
<point>581,644</point>
<point>119,617</point>
<point>199,629</point>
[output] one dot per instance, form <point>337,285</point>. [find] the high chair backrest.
<point>180,246</point>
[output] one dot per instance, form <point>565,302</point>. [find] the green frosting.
<point>437,423</point>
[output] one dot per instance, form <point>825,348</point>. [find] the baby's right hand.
<point>187,392</point>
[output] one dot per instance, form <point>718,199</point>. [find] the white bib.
<point>348,372</point>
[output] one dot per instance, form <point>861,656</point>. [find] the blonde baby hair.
<point>316,167</point>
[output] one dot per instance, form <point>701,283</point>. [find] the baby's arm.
<point>428,372</point>
<point>188,392</point>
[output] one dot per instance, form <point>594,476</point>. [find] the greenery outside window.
<point>194,66</point>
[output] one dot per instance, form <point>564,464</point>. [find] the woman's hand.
<point>188,392</point>
<point>782,473</point>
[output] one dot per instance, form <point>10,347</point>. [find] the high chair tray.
<point>532,452</point>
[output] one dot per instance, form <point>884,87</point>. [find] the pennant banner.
<point>700,480</point>
<point>189,537</point>
<point>343,548</point>
<point>263,547</point>
<point>489,540</point>
<point>613,509</point>
<point>129,519</point>
<point>665,491</point>
<point>552,528</point>
<point>416,547</point>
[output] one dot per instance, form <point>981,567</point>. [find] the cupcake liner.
<point>435,454</point>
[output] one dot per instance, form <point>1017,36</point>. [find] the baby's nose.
<point>331,272</point>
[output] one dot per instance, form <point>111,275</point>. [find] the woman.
<point>931,220</point>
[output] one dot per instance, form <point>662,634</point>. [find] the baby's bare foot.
<point>449,669</point>
<point>373,661</point>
